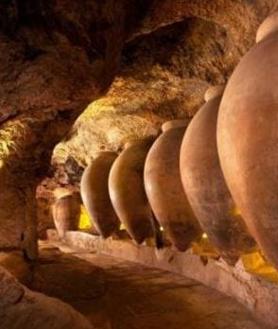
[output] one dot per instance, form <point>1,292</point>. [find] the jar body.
<point>66,211</point>
<point>165,192</point>
<point>206,188</point>
<point>126,189</point>
<point>247,141</point>
<point>95,194</point>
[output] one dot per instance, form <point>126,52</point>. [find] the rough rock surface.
<point>56,58</point>
<point>163,76</point>
<point>130,295</point>
<point>178,49</point>
<point>22,309</point>
<point>255,289</point>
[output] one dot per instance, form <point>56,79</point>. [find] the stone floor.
<point>116,294</point>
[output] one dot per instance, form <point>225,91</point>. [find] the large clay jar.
<point>247,137</point>
<point>126,188</point>
<point>164,188</point>
<point>66,212</point>
<point>95,194</point>
<point>205,186</point>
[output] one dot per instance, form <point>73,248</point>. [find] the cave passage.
<point>138,164</point>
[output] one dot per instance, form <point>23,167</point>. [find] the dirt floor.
<point>116,294</point>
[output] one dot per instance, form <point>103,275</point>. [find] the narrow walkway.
<point>116,294</point>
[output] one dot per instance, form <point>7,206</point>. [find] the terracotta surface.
<point>66,212</point>
<point>247,140</point>
<point>213,92</point>
<point>126,188</point>
<point>172,124</point>
<point>268,27</point>
<point>205,186</point>
<point>95,194</point>
<point>164,188</point>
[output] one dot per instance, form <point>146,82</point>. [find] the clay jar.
<point>126,188</point>
<point>66,212</point>
<point>205,186</point>
<point>95,194</point>
<point>164,188</point>
<point>247,137</point>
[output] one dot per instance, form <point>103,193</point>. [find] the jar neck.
<point>180,123</point>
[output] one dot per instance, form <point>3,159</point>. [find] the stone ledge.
<point>256,293</point>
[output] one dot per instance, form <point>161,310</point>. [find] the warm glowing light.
<point>256,264</point>
<point>84,219</point>
<point>204,248</point>
<point>122,227</point>
<point>204,236</point>
<point>161,228</point>
<point>235,211</point>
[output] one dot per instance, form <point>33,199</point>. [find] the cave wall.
<point>56,57</point>
<point>163,75</point>
<point>177,50</point>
